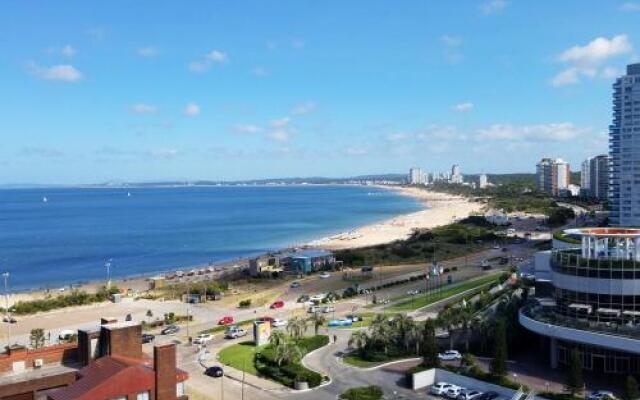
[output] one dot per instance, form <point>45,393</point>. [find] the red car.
<point>226,320</point>
<point>277,304</point>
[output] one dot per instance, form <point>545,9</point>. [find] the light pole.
<point>107,265</point>
<point>5,275</point>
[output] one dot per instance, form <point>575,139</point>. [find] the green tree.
<point>447,320</point>
<point>382,332</point>
<point>277,337</point>
<point>37,338</point>
<point>631,391</point>
<point>465,319</point>
<point>297,327</point>
<point>149,315</point>
<point>360,339</point>
<point>574,381</point>
<point>287,353</point>
<point>317,320</point>
<point>413,336</point>
<point>498,365</point>
<point>429,345</point>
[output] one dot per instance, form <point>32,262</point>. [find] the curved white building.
<point>592,300</point>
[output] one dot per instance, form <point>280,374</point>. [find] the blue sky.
<point>154,90</point>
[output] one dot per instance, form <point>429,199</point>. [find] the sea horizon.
<point>61,236</point>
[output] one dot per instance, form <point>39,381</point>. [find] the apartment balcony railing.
<point>606,266</point>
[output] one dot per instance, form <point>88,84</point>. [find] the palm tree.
<point>37,338</point>
<point>276,338</point>
<point>149,315</point>
<point>287,352</point>
<point>382,334</point>
<point>402,323</point>
<point>465,319</point>
<point>414,335</point>
<point>317,320</point>
<point>360,339</point>
<point>297,327</point>
<point>447,320</point>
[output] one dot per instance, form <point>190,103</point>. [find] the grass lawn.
<point>240,356</point>
<point>420,301</point>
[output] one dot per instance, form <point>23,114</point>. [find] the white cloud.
<point>463,107</point>
<point>148,52</point>
<point>493,6</point>
<point>142,108</point>
<point>63,72</point>
<point>611,72</point>
<point>552,132</point>
<point>260,72</point>
<point>210,59</point>
<point>192,109</point>
<point>68,51</point>
<point>630,7</point>
<point>280,122</point>
<point>279,135</point>
<point>587,61</point>
<point>304,108</point>
<point>246,128</point>
<point>451,41</point>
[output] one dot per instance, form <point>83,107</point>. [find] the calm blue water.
<point>68,238</point>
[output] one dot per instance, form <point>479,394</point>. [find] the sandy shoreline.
<point>442,209</point>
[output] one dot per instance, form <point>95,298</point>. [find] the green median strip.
<point>240,356</point>
<point>423,300</point>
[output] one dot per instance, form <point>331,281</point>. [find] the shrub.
<point>245,303</point>
<point>362,393</point>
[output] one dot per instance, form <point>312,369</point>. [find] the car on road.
<point>413,292</point>
<point>10,319</point>
<point>328,309</point>
<point>313,309</point>
<point>277,322</point>
<point>294,285</point>
<point>468,394</point>
<point>453,392</point>
<point>214,372</point>
<point>277,304</point>
<point>601,395</point>
<point>439,388</point>
<point>234,332</point>
<point>226,320</point>
<point>170,330</point>
<point>265,319</point>
<point>147,338</point>
<point>354,318</point>
<point>203,338</point>
<point>325,275</point>
<point>450,355</point>
<point>490,395</point>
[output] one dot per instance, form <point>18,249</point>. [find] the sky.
<point>97,91</point>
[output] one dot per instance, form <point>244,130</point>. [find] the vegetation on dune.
<point>449,241</point>
<point>74,298</point>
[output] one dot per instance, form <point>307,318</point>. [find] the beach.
<point>440,209</point>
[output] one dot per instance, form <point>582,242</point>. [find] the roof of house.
<point>112,376</point>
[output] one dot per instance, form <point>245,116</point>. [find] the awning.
<point>581,307</point>
<point>610,311</point>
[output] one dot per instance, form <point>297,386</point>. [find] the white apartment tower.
<point>483,182</point>
<point>624,150</point>
<point>553,176</point>
<point>456,175</point>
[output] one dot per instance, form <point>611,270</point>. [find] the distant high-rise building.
<point>482,181</point>
<point>456,175</point>
<point>552,175</point>
<point>594,177</point>
<point>624,150</point>
<point>417,177</point>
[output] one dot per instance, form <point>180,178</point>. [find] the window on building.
<point>143,396</point>
<point>180,389</point>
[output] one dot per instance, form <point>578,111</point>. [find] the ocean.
<point>68,238</point>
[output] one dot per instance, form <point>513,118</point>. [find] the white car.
<point>328,309</point>
<point>439,388</point>
<point>235,332</point>
<point>601,395</point>
<point>412,292</point>
<point>325,275</point>
<point>450,355</point>
<point>453,392</point>
<point>468,394</point>
<point>277,322</point>
<point>203,338</point>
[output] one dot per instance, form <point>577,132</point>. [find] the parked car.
<point>265,319</point>
<point>490,395</point>
<point>10,319</point>
<point>313,309</point>
<point>328,309</point>
<point>277,304</point>
<point>450,355</point>
<point>453,392</point>
<point>295,285</point>
<point>147,338</point>
<point>227,320</point>
<point>170,330</point>
<point>214,372</point>
<point>412,292</point>
<point>354,318</point>
<point>468,394</point>
<point>203,338</point>
<point>277,322</point>
<point>325,275</point>
<point>303,299</point>
<point>601,395</point>
<point>439,388</point>
<point>234,332</point>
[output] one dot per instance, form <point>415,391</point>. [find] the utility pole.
<point>107,265</point>
<point>243,368</point>
<point>5,275</point>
